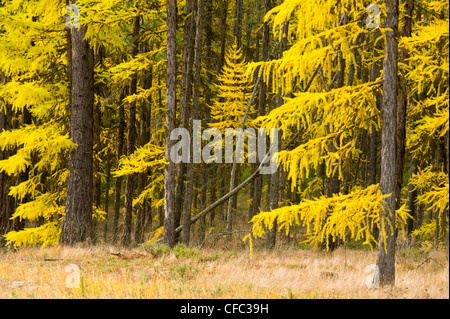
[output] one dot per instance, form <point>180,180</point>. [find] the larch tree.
<point>77,225</point>
<point>386,250</point>
<point>316,106</point>
<point>328,85</point>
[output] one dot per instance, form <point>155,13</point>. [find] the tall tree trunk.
<point>238,22</point>
<point>194,116</point>
<point>118,179</point>
<point>185,98</point>
<point>371,166</point>
<point>402,103</point>
<point>144,138</point>
<point>275,177</point>
<point>262,100</point>
<point>97,142</point>
<point>208,94</point>
<point>171,95</point>
<point>6,201</point>
<point>77,224</point>
<point>401,129</point>
<point>19,223</point>
<point>107,186</point>
<point>332,182</point>
<point>223,33</point>
<point>386,249</point>
<point>131,140</point>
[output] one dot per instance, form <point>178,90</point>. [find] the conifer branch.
<point>237,188</point>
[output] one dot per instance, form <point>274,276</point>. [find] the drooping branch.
<point>237,188</point>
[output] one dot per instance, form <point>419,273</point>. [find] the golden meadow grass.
<point>281,273</point>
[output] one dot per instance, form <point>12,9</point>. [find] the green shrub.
<point>156,249</point>
<point>181,251</point>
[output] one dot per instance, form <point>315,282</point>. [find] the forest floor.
<point>226,272</point>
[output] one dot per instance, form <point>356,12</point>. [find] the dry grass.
<point>207,273</point>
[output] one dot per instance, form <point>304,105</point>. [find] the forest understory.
<point>222,272</point>
<point>216,267</point>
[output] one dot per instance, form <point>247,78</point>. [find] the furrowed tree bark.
<point>386,250</point>
<point>77,224</point>
<point>171,95</point>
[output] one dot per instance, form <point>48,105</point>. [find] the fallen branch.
<point>52,259</point>
<point>236,189</point>
<point>225,233</point>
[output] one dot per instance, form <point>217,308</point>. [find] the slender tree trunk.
<point>401,130</point>
<point>185,99</point>
<point>6,201</point>
<point>275,177</point>
<point>171,95</point>
<point>131,141</point>
<point>332,182</point>
<point>77,224</point>
<point>97,142</point>
<point>402,103</point>
<point>412,197</point>
<point>371,167</point>
<point>203,196</point>
<point>118,179</point>
<point>262,102</point>
<point>386,250</point>
<point>144,138</point>
<point>69,63</point>
<point>248,34</point>
<point>194,116</point>
<point>208,94</point>
<point>19,223</point>
<point>223,33</point>
<point>238,22</point>
<point>223,191</point>
<point>107,186</point>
